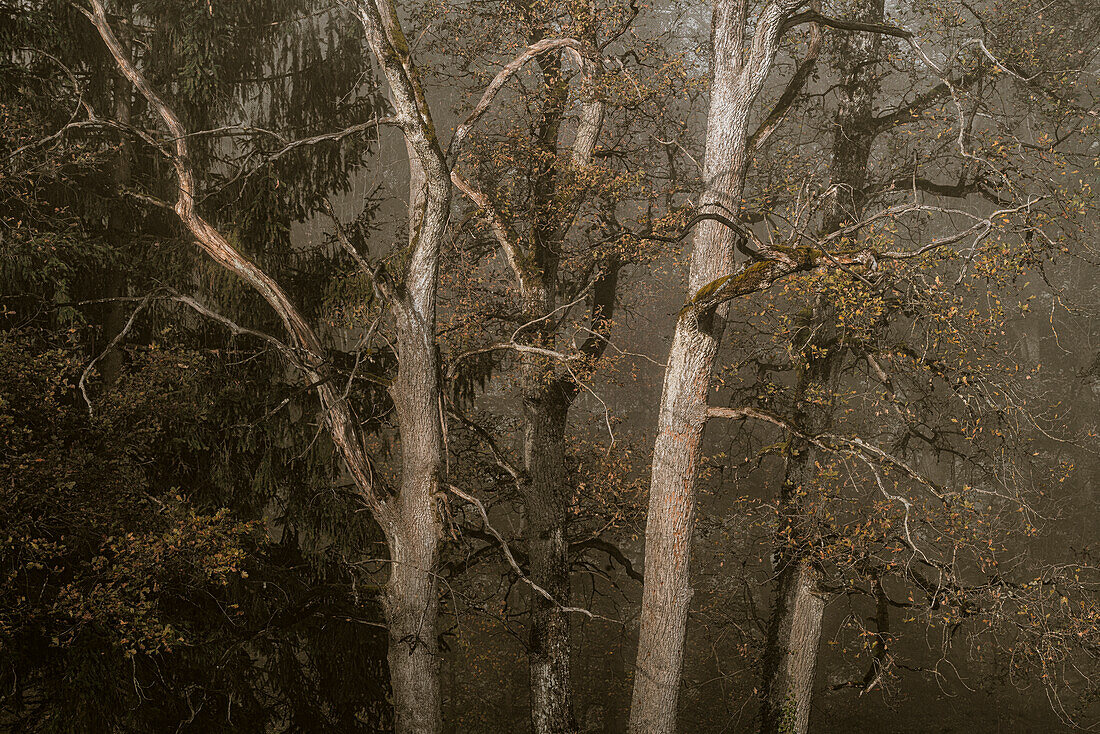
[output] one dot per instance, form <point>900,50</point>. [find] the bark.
<point>411,598</point>
<point>738,75</point>
<point>548,391</point>
<point>546,402</point>
<point>854,128</point>
<point>545,495</point>
<point>410,518</point>
<point>794,631</point>
<point>792,645</point>
<point>547,399</point>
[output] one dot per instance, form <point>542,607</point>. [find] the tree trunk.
<point>548,394</point>
<point>545,410</point>
<point>791,656</point>
<point>736,82</point>
<point>413,516</point>
<point>412,598</point>
<point>794,630</point>
<point>410,518</point>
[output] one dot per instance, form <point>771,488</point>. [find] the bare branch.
<point>82,382</point>
<point>812,16</point>
<point>535,49</point>
<point>505,235</point>
<point>790,94</point>
<point>512,559</point>
<point>376,273</point>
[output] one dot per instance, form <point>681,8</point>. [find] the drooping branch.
<point>613,551</point>
<point>776,262</point>
<point>505,234</point>
<point>519,476</point>
<point>289,146</point>
<point>507,551</point>
<point>113,344</point>
<point>377,274</point>
<point>338,416</point>
<point>506,72</point>
<point>743,231</point>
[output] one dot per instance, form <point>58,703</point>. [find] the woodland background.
<point>355,359</point>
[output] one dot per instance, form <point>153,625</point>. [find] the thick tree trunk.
<point>545,410</point>
<point>413,517</point>
<point>854,131</point>
<point>411,606</point>
<point>411,595</point>
<point>737,80</point>
<point>666,593</point>
<point>548,396</point>
<point>794,631</point>
<point>791,657</point>
<point>547,390</point>
<point>410,518</point>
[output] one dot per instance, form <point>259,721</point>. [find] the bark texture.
<point>792,645</point>
<point>547,390</point>
<point>411,597</point>
<point>547,398</point>
<point>409,518</point>
<point>738,74</point>
<point>546,411</point>
<point>794,630</point>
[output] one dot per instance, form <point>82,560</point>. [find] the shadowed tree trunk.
<point>794,630</point>
<point>546,412</point>
<point>547,389</point>
<point>118,232</point>
<point>547,398</point>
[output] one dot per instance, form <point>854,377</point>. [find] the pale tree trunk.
<point>738,75</point>
<point>411,597</point>
<point>794,630</point>
<point>410,517</point>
